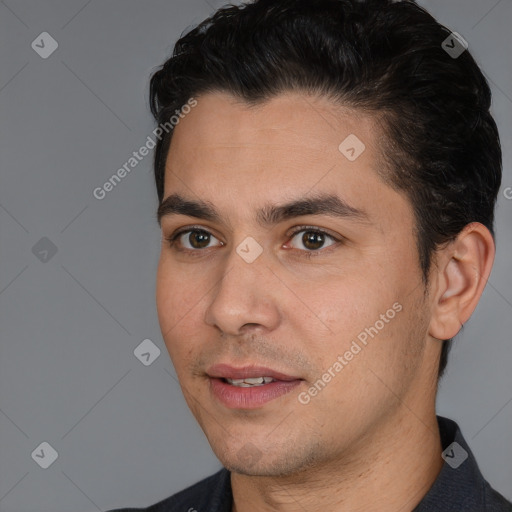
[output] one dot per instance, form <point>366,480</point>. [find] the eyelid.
<point>315,229</point>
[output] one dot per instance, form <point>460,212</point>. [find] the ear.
<point>459,278</point>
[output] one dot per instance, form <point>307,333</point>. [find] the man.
<point>327,210</point>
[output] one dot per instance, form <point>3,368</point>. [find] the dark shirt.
<point>459,487</point>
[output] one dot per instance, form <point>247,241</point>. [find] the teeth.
<point>248,382</point>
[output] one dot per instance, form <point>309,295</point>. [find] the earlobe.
<point>464,266</point>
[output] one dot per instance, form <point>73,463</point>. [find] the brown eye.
<point>198,239</point>
<point>313,240</point>
<point>191,239</point>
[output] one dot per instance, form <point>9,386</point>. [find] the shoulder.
<point>494,501</point>
<point>213,494</point>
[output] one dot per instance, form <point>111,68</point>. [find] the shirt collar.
<point>460,484</point>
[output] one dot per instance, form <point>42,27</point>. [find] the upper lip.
<point>225,371</point>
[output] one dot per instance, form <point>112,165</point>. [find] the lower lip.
<point>235,397</point>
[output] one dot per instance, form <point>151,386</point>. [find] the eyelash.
<point>171,240</point>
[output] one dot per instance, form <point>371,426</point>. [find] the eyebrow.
<point>320,204</point>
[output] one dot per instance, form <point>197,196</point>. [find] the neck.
<point>390,471</point>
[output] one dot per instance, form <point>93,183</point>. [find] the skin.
<point>369,439</point>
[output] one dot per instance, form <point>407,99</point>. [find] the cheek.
<point>177,300</point>
<point>362,312</point>
<point>165,298</point>
<point>344,305</point>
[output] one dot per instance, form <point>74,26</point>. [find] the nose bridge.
<point>242,294</point>
<point>244,270</point>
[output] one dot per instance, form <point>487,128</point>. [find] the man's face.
<point>306,301</point>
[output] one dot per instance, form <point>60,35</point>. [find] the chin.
<point>282,461</point>
<point>257,469</point>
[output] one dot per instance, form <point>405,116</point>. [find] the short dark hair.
<point>384,57</point>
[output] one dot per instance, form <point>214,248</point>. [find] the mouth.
<point>249,387</point>
<point>250,381</point>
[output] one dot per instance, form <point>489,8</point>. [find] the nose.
<point>245,295</point>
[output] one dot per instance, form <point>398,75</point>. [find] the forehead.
<point>291,135</point>
<point>290,119</point>
<point>230,153</point>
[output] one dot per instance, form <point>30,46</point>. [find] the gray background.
<point>69,325</point>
